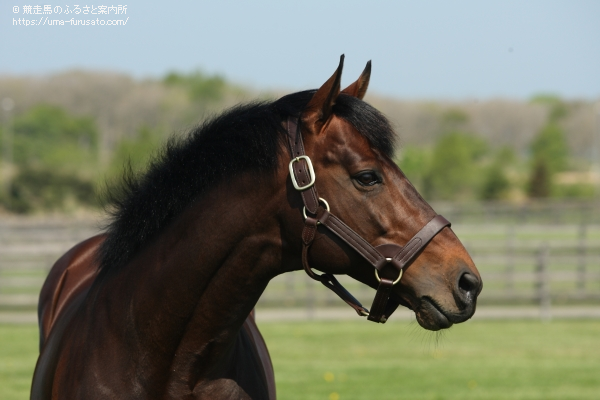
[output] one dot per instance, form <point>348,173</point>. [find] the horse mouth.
<point>431,316</point>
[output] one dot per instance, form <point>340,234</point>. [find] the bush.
<point>48,191</point>
<point>540,183</point>
<point>47,137</point>
<point>550,147</point>
<point>496,184</point>
<point>134,153</point>
<point>549,151</point>
<point>454,171</point>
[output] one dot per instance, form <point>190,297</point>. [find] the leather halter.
<point>380,257</point>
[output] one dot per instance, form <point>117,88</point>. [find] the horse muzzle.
<point>433,313</point>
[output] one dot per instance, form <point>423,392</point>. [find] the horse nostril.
<point>468,282</point>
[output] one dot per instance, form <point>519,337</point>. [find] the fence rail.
<point>522,262</point>
<point>28,248</point>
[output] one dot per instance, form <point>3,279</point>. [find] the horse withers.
<point>160,305</point>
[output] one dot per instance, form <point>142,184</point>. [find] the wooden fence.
<point>522,262</point>
<point>28,248</point>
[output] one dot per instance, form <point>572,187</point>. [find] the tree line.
<point>64,142</point>
<point>463,165</point>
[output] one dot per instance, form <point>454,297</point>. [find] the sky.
<point>453,50</point>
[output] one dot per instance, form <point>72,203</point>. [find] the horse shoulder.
<point>71,275</point>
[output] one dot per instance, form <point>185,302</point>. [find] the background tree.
<point>496,184</point>
<point>414,162</point>
<point>134,152</point>
<point>56,159</point>
<point>48,137</point>
<point>549,149</point>
<point>454,173</point>
<point>539,182</point>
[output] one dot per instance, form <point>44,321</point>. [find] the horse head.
<point>350,146</point>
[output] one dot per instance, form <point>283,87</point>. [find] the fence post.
<point>510,252</point>
<point>310,297</point>
<point>290,283</point>
<point>544,283</point>
<point>581,268</point>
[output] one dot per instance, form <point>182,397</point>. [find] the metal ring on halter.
<point>393,283</point>
<point>320,199</point>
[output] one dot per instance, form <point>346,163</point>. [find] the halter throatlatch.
<point>380,257</point>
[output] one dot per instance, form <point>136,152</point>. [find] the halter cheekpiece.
<point>303,178</point>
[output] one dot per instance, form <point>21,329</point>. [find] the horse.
<point>160,305</point>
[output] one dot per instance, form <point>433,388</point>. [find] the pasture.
<point>360,360</point>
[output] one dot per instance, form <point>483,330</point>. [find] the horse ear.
<point>359,88</point>
<point>320,105</point>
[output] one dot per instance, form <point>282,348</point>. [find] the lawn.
<point>360,360</point>
<point>18,354</point>
<point>475,360</point>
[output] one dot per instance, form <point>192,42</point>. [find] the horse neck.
<point>194,286</point>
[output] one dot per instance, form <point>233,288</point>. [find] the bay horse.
<point>160,306</point>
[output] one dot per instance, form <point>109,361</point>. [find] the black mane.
<point>244,138</point>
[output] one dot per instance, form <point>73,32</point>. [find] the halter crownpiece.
<point>303,178</point>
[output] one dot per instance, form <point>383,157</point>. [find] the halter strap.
<point>380,257</point>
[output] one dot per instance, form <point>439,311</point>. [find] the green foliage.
<point>458,167</point>
<point>549,155</point>
<point>56,161</point>
<point>540,182</point>
<point>496,183</point>
<point>201,87</point>
<point>135,152</point>
<point>47,137</point>
<point>550,147</point>
<point>414,162</point>
<point>48,190</point>
<point>55,155</point>
<point>454,172</point>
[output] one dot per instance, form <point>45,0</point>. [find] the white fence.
<point>522,262</point>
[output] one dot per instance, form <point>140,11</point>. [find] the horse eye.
<point>368,178</point>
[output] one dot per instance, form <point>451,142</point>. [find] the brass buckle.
<point>393,283</point>
<point>310,169</point>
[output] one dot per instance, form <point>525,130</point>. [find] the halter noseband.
<point>399,257</point>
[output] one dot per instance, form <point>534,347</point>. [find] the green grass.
<point>18,354</point>
<point>360,360</point>
<point>476,360</point>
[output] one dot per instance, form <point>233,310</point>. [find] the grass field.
<point>18,354</point>
<point>476,360</point>
<point>359,360</point>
